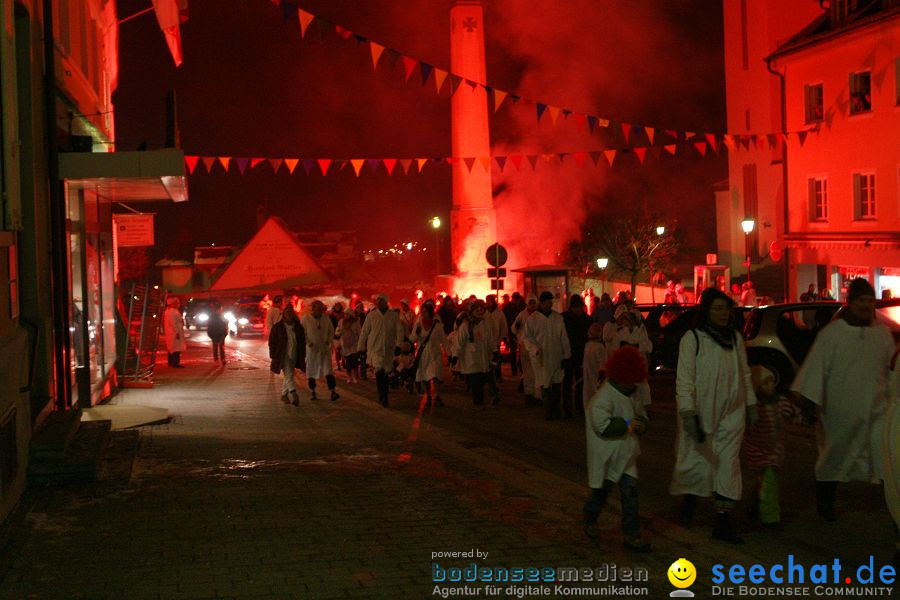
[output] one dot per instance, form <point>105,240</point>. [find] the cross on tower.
<point>470,24</point>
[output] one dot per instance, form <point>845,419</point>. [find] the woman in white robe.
<point>428,334</point>
<point>714,394</point>
<point>319,340</point>
<point>173,326</point>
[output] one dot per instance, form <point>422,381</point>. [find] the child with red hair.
<point>614,418</point>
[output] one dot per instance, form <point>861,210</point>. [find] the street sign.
<point>496,272</point>
<point>496,255</point>
<point>496,284</point>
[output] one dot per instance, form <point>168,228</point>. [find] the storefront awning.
<point>144,176</point>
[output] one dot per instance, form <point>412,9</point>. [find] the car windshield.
<point>248,310</point>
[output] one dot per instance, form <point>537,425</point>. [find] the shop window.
<point>860,92</point>
<point>864,195</point>
<point>818,199</point>
<point>815,103</point>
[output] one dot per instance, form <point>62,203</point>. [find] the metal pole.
<point>747,250</point>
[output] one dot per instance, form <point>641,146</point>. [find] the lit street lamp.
<point>602,263</point>
<point>660,230</point>
<point>747,225</point>
<point>436,226</point>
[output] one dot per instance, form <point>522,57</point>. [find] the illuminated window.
<point>860,92</point>
<point>815,107</point>
<point>864,195</point>
<point>818,199</point>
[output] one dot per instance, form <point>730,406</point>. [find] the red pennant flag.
<point>640,154</point>
<point>191,162</point>
<point>389,164</point>
<point>208,162</point>
<point>469,162</point>
<point>376,50</point>
<point>626,129</point>
<point>485,162</point>
<point>357,164</point>
<point>256,161</point>
<point>579,158</point>
<point>405,163</point>
<point>532,158</point>
<point>651,132</point>
<point>728,140</point>
<point>701,147</point>
<point>670,148</point>
<point>672,133</point>
<point>516,160</point>
<point>225,160</point>
<point>344,33</point>
<point>711,138</point>
<point>305,19</point>
<point>291,164</point>
<point>276,163</point>
<point>409,65</point>
<point>324,163</point>
<point>610,156</point>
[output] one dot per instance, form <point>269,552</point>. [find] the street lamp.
<point>602,263</point>
<point>747,225</point>
<point>436,226</point>
<point>660,229</point>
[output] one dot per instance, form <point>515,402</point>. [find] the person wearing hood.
<point>627,329</point>
<point>287,349</point>
<point>381,335</point>
<point>714,395</point>
<point>614,418</point>
<point>527,384</point>
<point>547,343</point>
<point>319,339</point>
<point>845,376</point>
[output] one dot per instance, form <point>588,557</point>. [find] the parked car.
<point>246,318</point>
<point>779,336</point>
<point>197,311</point>
<point>673,326</point>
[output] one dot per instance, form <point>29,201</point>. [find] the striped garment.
<point>764,442</point>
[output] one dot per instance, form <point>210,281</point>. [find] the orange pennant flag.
<point>670,148</point>
<point>610,156</point>
<point>324,163</point>
<point>439,76</point>
<point>376,50</point>
<point>651,131</point>
<point>499,97</point>
<point>191,162</point>
<point>208,162</point>
<point>641,152</point>
<point>421,162</point>
<point>225,160</point>
<point>409,65</point>
<point>728,140</point>
<point>554,113</point>
<point>291,164</point>
<point>485,162</point>
<point>357,164</point>
<point>389,164</point>
<point>701,148</point>
<point>305,19</point>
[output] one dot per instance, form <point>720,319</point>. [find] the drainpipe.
<point>58,257</point>
<point>784,173</point>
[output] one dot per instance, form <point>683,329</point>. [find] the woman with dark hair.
<point>714,394</point>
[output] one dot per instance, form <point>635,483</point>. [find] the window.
<point>864,195</point>
<point>818,199</point>
<point>815,106</point>
<point>860,92</point>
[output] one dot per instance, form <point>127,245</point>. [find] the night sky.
<point>251,86</point>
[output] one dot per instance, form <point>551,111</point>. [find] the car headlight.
<point>229,316</point>
<point>243,321</point>
<point>203,317</point>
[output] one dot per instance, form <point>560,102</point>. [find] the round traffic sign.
<point>496,255</point>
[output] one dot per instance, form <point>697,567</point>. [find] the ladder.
<point>145,305</point>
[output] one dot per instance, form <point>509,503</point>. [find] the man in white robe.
<point>547,343</point>
<point>173,326</point>
<point>381,335</point>
<point>319,337</point>
<point>845,375</point>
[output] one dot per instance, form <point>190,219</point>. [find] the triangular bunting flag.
<point>373,164</point>
<point>516,160</point>
<point>580,122</point>
<point>241,164</point>
<point>626,129</point>
<point>409,65</point>
<point>801,136</point>
<point>392,56</point>
<point>640,152</point>
<point>191,162</point>
<point>499,97</point>
<point>425,69</point>
<point>579,158</point>
<point>305,20</point>
<point>728,140</point>
<point>595,156</point>
<point>672,133</point>
<point>610,156</point>
<point>701,148</point>
<point>469,162</point>
<point>357,164</point>
<point>501,161</point>
<point>225,160</point>
<point>291,164</point>
<point>405,163</point>
<point>651,132</point>
<point>390,163</point>
<point>208,162</point>
<point>761,142</point>
<point>376,50</point>
<point>420,163</point>
<point>772,139</point>
<point>485,162</point>
<point>256,161</point>
<point>670,148</point>
<point>689,134</point>
<point>554,113</point>
<point>308,165</point>
<point>455,81</point>
<point>592,122</point>
<point>276,163</point>
<point>360,39</point>
<point>439,76</point>
<point>472,84</point>
<point>711,138</point>
<point>344,33</point>
<point>541,107</point>
<point>532,158</point>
